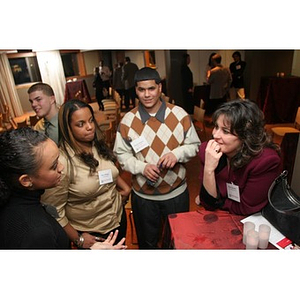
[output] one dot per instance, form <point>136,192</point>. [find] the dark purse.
<point>283,209</point>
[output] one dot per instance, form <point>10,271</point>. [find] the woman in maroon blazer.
<point>239,164</point>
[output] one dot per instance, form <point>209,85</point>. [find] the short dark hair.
<point>217,58</point>
<point>146,73</point>
<point>40,86</point>
<point>236,53</point>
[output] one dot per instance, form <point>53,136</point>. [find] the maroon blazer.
<point>253,181</point>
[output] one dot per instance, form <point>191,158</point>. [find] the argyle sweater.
<point>170,129</point>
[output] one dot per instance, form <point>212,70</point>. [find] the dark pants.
<point>130,94</point>
<point>149,215</point>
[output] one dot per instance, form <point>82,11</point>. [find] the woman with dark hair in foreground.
<point>28,165</point>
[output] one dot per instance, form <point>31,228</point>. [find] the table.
<point>77,90</point>
<point>203,229</point>
<point>279,98</point>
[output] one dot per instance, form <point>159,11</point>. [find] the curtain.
<point>8,92</point>
<point>52,72</point>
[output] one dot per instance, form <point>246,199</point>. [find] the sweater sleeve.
<point>126,157</point>
<point>190,146</point>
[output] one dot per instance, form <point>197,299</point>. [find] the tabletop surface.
<point>203,229</point>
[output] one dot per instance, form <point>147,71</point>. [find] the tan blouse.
<point>86,204</point>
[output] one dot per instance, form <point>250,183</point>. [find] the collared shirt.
<point>86,204</point>
<point>160,115</point>
<point>49,127</point>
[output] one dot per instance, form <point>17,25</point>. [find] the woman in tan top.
<point>91,195</point>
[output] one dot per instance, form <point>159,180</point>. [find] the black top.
<point>25,224</point>
<point>237,72</point>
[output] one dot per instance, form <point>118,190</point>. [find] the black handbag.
<point>283,209</point>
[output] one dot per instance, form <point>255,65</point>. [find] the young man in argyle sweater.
<point>153,142</point>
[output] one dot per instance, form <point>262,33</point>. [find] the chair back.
<point>107,129</point>
<point>33,120</point>
<point>199,114</point>
<point>22,124</point>
<point>297,120</point>
<point>199,119</point>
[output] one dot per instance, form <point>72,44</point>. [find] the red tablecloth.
<point>279,98</point>
<point>203,229</point>
<point>77,90</point>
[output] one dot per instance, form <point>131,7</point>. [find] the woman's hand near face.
<point>212,156</point>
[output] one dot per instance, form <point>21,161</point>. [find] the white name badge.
<point>233,192</point>
<point>105,176</point>
<point>238,67</point>
<point>139,144</point>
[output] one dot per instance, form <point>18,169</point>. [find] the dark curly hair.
<point>247,123</point>
<point>19,154</point>
<point>67,138</point>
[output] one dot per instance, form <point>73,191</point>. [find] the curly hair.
<point>246,122</point>
<point>67,138</point>
<point>19,154</point>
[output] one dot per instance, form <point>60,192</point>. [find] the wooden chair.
<point>7,121</point>
<point>33,120</point>
<point>2,128</point>
<point>95,106</point>
<point>107,129</point>
<point>199,119</point>
<point>281,130</point>
<point>22,124</point>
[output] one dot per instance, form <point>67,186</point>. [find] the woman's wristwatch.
<point>79,241</point>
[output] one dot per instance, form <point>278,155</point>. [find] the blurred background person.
<point>219,79</point>
<point>187,85</point>
<point>237,69</point>
<point>105,74</point>
<point>129,70</point>
<point>118,84</point>
<point>98,86</point>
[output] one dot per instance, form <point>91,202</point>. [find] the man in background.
<point>187,85</point>
<point>129,70</point>
<point>43,102</point>
<point>105,74</point>
<point>219,79</point>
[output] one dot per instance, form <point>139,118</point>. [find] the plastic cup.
<point>247,226</point>
<point>252,239</point>
<point>264,235</point>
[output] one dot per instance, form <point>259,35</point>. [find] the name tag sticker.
<point>238,67</point>
<point>105,176</point>
<point>233,192</point>
<point>139,144</point>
